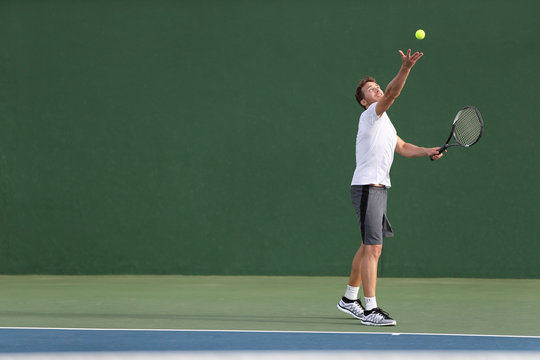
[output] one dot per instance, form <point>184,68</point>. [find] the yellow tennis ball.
<point>420,34</point>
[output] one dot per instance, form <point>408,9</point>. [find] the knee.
<point>372,251</point>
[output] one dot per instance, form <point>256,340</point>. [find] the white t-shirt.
<point>375,145</point>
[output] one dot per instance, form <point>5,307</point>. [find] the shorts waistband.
<point>372,187</point>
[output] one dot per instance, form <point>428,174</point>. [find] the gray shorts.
<point>370,205</point>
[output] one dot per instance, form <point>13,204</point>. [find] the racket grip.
<point>440,151</point>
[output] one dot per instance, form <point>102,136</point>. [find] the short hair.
<point>359,94</point>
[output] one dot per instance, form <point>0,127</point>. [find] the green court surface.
<point>433,305</point>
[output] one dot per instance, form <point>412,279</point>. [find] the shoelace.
<point>358,306</point>
<point>382,312</point>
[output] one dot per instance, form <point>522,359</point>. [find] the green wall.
<point>217,137</point>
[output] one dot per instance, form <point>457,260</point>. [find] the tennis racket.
<point>467,128</point>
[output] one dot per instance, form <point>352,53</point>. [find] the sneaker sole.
<point>375,324</point>
<point>348,312</point>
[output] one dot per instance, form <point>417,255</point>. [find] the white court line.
<point>270,331</point>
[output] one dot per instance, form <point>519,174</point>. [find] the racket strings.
<point>467,127</point>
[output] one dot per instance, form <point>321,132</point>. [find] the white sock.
<point>371,303</point>
<point>352,292</point>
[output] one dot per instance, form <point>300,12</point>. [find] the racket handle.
<point>442,148</point>
<point>440,151</point>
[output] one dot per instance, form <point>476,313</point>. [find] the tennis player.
<point>376,142</point>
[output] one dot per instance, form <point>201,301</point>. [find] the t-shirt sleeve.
<point>370,115</point>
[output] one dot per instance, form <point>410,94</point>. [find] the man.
<point>376,143</point>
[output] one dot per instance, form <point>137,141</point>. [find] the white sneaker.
<point>377,317</point>
<point>353,308</point>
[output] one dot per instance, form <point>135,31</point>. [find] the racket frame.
<point>453,135</point>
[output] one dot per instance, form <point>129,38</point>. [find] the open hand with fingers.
<point>408,59</point>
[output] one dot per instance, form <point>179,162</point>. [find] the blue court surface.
<point>39,341</point>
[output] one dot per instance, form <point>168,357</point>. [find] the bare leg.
<point>355,278</point>
<point>369,259</point>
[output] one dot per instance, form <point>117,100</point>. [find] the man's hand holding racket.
<point>434,153</point>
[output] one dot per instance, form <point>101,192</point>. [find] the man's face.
<point>372,93</point>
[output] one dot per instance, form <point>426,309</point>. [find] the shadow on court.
<point>185,317</point>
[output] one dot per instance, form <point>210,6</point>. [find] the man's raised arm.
<point>396,85</point>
